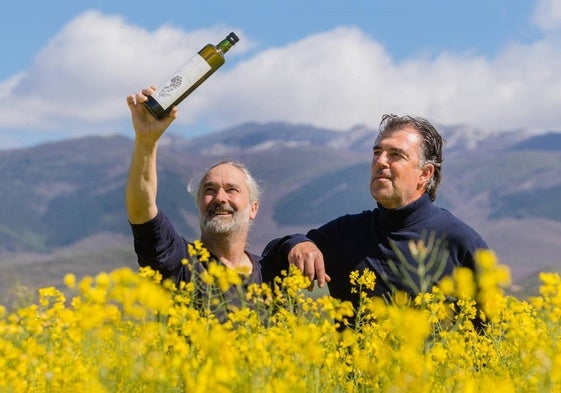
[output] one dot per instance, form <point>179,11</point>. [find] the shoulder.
<point>158,221</point>
<point>346,225</point>
<point>159,234</point>
<point>154,225</point>
<point>255,259</point>
<point>458,231</point>
<point>344,230</point>
<point>262,272</point>
<point>356,218</point>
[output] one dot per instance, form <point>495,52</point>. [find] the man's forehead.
<point>224,173</point>
<point>407,132</point>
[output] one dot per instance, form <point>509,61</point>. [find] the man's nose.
<point>221,195</point>
<point>380,160</point>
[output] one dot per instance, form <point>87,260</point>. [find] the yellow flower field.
<point>125,331</point>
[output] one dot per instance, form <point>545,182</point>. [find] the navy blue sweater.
<point>158,245</point>
<point>374,239</point>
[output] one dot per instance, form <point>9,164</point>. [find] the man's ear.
<point>253,210</point>
<point>427,171</point>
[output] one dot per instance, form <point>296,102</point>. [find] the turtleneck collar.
<point>404,216</point>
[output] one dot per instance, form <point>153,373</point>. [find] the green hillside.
<point>60,194</point>
<point>329,196</point>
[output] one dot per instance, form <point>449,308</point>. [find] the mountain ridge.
<point>60,194</point>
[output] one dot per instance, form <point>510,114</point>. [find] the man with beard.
<point>227,197</point>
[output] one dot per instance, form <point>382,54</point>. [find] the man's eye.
<point>397,155</point>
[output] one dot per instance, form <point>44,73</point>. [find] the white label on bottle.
<point>181,81</point>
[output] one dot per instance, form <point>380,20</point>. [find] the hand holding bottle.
<point>146,126</point>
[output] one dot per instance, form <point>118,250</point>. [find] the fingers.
<point>321,277</point>
<point>141,96</point>
<point>172,115</point>
<point>314,269</point>
<point>308,258</point>
<point>148,91</point>
<point>139,111</point>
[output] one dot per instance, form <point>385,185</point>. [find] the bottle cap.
<point>233,38</point>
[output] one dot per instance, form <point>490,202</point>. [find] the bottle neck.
<point>224,45</point>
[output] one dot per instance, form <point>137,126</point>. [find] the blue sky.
<point>490,65</point>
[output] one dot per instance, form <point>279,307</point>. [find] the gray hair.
<point>255,190</point>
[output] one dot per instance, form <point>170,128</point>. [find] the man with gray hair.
<point>227,197</point>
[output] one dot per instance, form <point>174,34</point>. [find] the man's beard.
<point>217,224</point>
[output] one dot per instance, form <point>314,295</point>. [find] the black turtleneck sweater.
<point>375,239</point>
<point>158,245</point>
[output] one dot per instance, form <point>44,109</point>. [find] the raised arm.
<point>142,182</point>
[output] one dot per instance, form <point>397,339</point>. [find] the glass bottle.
<point>190,76</point>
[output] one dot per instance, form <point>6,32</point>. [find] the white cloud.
<point>547,15</point>
<point>342,78</point>
<point>77,84</point>
<point>8,85</point>
<point>80,79</point>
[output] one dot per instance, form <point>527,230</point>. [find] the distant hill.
<point>550,141</point>
<point>328,196</point>
<point>66,199</point>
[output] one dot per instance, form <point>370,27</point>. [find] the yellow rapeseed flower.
<point>464,281</point>
<point>123,331</point>
<point>70,280</point>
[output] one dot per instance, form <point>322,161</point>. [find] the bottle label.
<point>181,81</point>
